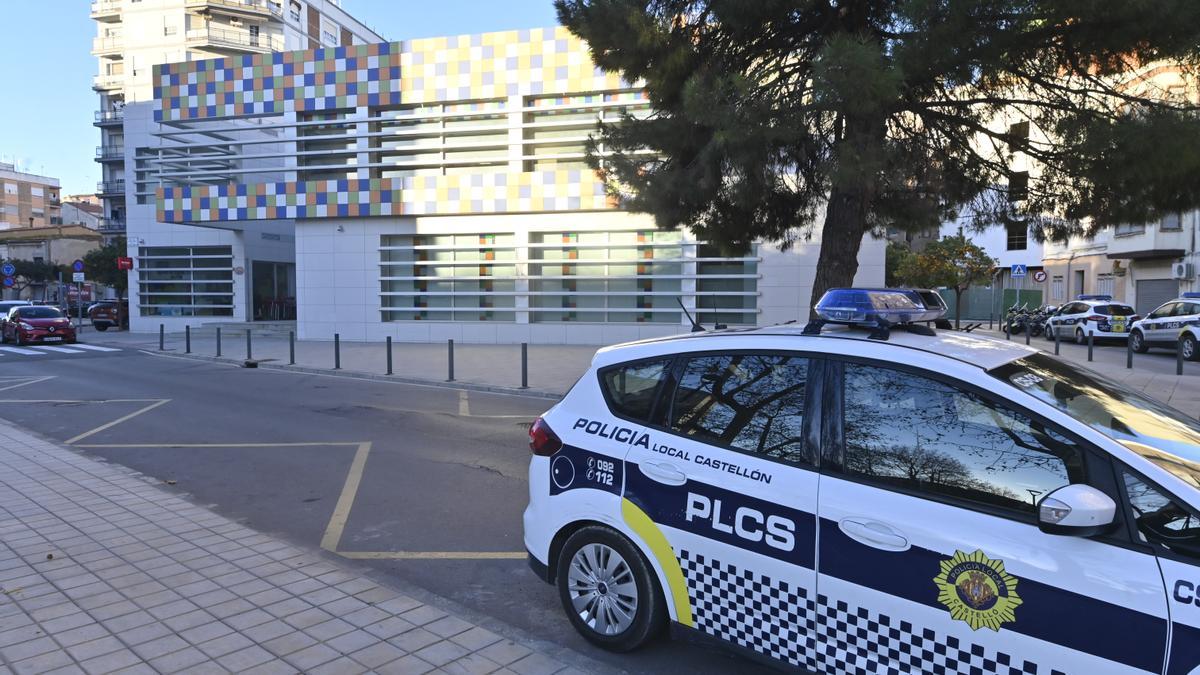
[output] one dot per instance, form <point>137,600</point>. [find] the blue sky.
<point>46,70</point>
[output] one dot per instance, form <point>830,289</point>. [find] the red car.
<point>37,323</point>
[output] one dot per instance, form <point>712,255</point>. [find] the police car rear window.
<point>632,388</point>
<point>1113,310</point>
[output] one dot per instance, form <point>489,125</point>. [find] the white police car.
<point>910,503</point>
<point>1170,324</point>
<point>1091,315</point>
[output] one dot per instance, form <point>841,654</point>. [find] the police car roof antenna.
<point>696,327</point>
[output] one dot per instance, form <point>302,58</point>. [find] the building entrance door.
<point>274,290</point>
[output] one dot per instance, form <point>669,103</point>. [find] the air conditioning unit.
<point>1181,270</point>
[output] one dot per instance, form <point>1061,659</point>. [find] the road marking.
<point>433,555</point>
<point>75,400</point>
<point>23,381</point>
<point>117,421</point>
<point>213,445</point>
<point>95,348</point>
<point>18,350</point>
<point>341,512</point>
<point>64,350</point>
<point>464,405</point>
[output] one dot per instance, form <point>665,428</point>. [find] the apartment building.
<point>421,190</point>
<point>132,36</point>
<point>28,200</point>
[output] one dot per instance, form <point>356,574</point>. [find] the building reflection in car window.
<point>923,435</point>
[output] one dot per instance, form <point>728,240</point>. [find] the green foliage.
<point>896,256</point>
<point>30,272</point>
<point>951,262</point>
<point>101,265</point>
<point>775,115</point>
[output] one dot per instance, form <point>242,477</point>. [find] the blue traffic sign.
<point>1018,271</point>
<point>8,269</point>
<point>8,282</point>
<point>77,266</point>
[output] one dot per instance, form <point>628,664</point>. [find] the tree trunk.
<point>957,309</point>
<point>841,237</point>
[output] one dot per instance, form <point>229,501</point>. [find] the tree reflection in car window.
<point>924,435</point>
<point>752,402</point>
<point>1162,521</point>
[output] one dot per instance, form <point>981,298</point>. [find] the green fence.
<point>981,303</point>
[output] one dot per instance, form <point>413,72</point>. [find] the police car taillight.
<point>542,439</point>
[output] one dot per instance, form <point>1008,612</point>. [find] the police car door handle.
<point>663,473</point>
<point>874,534</point>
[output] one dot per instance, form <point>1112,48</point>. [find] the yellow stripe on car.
<point>654,538</point>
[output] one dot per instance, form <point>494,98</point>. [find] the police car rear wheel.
<point>608,590</point>
<point>1080,338</point>
<point>1138,342</point>
<point>1189,348</point>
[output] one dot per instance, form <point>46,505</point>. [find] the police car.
<point>839,499</point>
<point>1088,315</point>
<point>1171,324</point>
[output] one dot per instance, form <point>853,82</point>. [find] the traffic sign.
<point>8,269</point>
<point>1039,276</point>
<point>77,266</point>
<point>8,282</point>
<point>1017,271</point>
<point>77,277</point>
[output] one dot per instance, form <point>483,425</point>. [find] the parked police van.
<point>1173,324</point>
<point>839,499</point>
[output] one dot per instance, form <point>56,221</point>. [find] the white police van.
<point>887,500</point>
<point>1095,315</point>
<point>1174,324</point>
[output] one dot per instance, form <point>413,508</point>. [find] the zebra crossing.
<point>44,350</point>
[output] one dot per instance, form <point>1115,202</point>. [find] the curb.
<point>357,375</point>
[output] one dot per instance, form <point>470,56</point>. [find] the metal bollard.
<point>1091,340</point>
<point>1179,356</point>
<point>1027,332</point>
<point>218,340</point>
<point>162,336</point>
<point>1056,341</point>
<point>1008,330</point>
<point>249,350</point>
<point>450,362</point>
<point>187,339</point>
<point>291,348</point>
<point>1128,353</point>
<point>337,351</point>
<point>991,320</point>
<point>524,365</point>
<point>389,355</point>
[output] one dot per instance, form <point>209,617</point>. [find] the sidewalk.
<point>102,571</point>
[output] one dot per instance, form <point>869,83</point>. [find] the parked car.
<point>37,323</point>
<point>1165,326</point>
<point>1095,315</point>
<point>106,314</point>
<point>6,306</point>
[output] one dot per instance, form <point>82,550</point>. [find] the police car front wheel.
<point>608,590</point>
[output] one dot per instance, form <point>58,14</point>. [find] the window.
<point>921,435</point>
<point>1018,186</point>
<point>753,403</point>
<point>1017,135</point>
<point>1128,230</point>
<point>294,11</point>
<point>1018,237</point>
<point>35,191</point>
<point>1056,287</point>
<point>1171,222</point>
<point>1164,311</point>
<point>1160,520</point>
<point>1105,284</point>
<point>632,388</point>
<point>1114,310</point>
<point>185,281</point>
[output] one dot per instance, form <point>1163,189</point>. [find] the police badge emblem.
<point>977,590</point>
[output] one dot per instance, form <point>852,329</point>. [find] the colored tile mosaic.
<point>560,190</point>
<point>314,79</point>
<point>498,65</point>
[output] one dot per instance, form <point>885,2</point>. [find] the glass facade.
<point>185,280</point>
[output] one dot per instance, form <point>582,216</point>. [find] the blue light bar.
<point>1190,295</point>
<point>1101,298</point>
<point>873,306</point>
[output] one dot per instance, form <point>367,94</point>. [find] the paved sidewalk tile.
<point>103,571</point>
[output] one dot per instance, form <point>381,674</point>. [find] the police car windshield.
<point>1113,310</point>
<point>1159,433</point>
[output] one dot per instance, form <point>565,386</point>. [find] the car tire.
<point>1048,331</point>
<point>618,621</point>
<point>1138,342</point>
<point>1190,352</point>
<point>100,327</point>
<point>1080,338</point>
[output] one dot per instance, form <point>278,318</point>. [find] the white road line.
<point>94,348</point>
<point>64,350</point>
<point>18,350</point>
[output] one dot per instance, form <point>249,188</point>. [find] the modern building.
<point>133,36</point>
<point>422,190</point>
<point>28,200</point>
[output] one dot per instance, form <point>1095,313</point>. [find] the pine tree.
<point>774,116</point>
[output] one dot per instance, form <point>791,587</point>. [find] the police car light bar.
<point>1101,298</point>
<point>880,308</point>
<point>1190,295</point>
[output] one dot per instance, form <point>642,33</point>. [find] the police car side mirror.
<point>1076,510</point>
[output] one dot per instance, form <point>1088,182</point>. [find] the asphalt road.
<point>424,484</point>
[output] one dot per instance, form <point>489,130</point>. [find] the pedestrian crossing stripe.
<point>42,350</point>
<point>21,350</point>
<point>94,348</point>
<point>64,350</point>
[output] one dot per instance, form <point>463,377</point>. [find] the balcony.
<point>1148,241</point>
<point>108,82</point>
<point>110,153</point>
<point>109,117</point>
<point>255,8</point>
<point>106,10</point>
<point>112,188</point>
<point>238,41</point>
<point>109,45</point>
<point>112,225</point>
